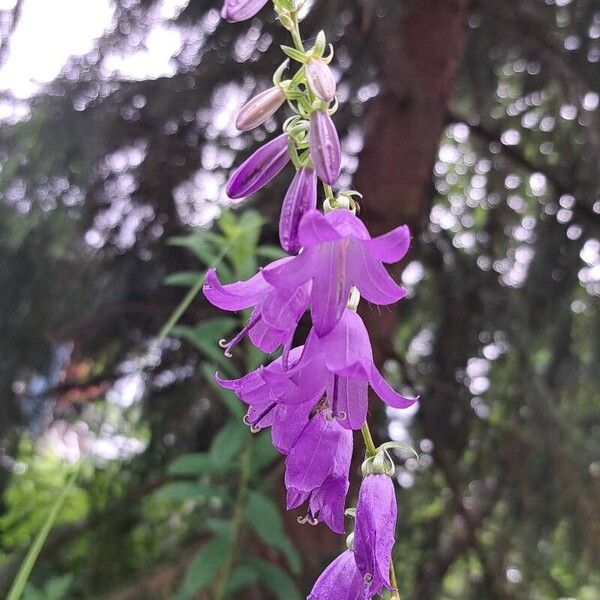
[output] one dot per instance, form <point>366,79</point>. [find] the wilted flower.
<point>275,315</point>
<point>265,164</point>
<point>340,580</point>
<point>320,79</point>
<point>338,254</point>
<point>325,151</point>
<point>300,198</point>
<point>240,10</point>
<point>376,514</point>
<point>257,110</point>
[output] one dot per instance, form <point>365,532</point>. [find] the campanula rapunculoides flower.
<point>257,110</point>
<point>374,531</point>
<point>240,10</point>
<point>317,469</point>
<point>320,79</point>
<point>265,164</point>
<point>338,254</point>
<point>325,151</point>
<point>299,199</point>
<point>339,364</point>
<point>340,580</point>
<point>275,315</point>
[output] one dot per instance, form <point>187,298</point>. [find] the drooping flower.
<point>260,168</point>
<point>340,580</point>
<point>338,254</point>
<point>276,312</point>
<point>300,198</point>
<point>325,151</point>
<point>240,10</point>
<point>257,110</point>
<point>339,364</point>
<point>375,526</point>
<point>320,79</point>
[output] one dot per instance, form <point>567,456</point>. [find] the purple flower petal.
<point>259,169</point>
<point>374,531</point>
<point>315,228</point>
<point>320,79</point>
<point>234,296</point>
<point>340,580</point>
<point>325,152</point>
<point>257,110</point>
<point>348,399</point>
<point>388,394</point>
<point>300,198</point>
<point>240,10</point>
<point>290,275</point>
<point>391,246</point>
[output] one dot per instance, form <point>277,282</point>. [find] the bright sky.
<point>50,31</point>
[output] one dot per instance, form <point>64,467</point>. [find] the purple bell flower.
<point>338,254</point>
<point>300,198</point>
<point>276,312</point>
<point>376,514</point>
<point>340,580</point>
<point>257,110</point>
<point>265,164</point>
<point>240,10</point>
<point>325,151</point>
<point>320,79</point>
<point>339,364</point>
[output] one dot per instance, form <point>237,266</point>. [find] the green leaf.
<point>204,567</point>
<point>263,453</point>
<point>231,401</point>
<point>183,278</point>
<point>228,443</point>
<point>276,579</point>
<point>205,337</point>
<point>265,520</point>
<point>193,464</point>
<point>241,578</point>
<point>294,54</point>
<point>179,491</point>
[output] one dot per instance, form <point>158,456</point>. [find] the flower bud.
<point>260,108</point>
<point>320,79</point>
<point>259,169</point>
<point>240,10</point>
<point>300,197</point>
<point>325,151</point>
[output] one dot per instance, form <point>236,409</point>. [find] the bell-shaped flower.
<point>254,173</point>
<point>325,151</point>
<point>339,364</point>
<point>320,79</point>
<point>257,110</point>
<point>299,199</point>
<point>339,253</point>
<point>374,531</point>
<point>340,580</point>
<point>276,312</point>
<point>240,10</point>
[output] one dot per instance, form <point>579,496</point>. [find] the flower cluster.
<point>315,394</point>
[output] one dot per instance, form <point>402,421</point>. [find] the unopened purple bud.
<point>325,151</point>
<point>260,108</point>
<point>320,79</point>
<point>240,10</point>
<point>259,169</point>
<point>300,197</point>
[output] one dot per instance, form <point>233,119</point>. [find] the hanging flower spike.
<point>374,531</point>
<point>265,164</point>
<point>339,364</point>
<point>300,198</point>
<point>338,254</point>
<point>257,110</point>
<point>340,580</point>
<point>325,151</point>
<point>241,10</point>
<point>276,312</point>
<point>320,79</point>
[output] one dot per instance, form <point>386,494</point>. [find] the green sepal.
<point>294,54</point>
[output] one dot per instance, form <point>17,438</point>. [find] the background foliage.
<point>475,122</point>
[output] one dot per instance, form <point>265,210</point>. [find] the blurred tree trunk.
<point>422,47</point>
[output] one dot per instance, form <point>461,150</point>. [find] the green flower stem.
<point>295,31</point>
<point>371,451</point>
<point>237,521</point>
